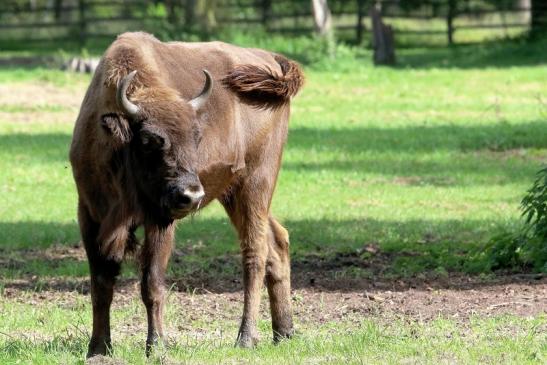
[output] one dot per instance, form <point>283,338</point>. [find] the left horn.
<point>201,99</point>
<point>121,96</point>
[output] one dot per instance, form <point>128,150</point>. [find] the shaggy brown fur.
<point>262,86</point>
<point>129,168</point>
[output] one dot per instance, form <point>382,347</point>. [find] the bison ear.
<point>117,128</point>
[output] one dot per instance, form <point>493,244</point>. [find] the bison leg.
<point>103,276</point>
<point>278,281</point>
<point>251,221</point>
<point>155,256</point>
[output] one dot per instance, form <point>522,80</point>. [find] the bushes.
<point>525,248</point>
<point>534,207</point>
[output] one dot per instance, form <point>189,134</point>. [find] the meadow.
<point>393,181</point>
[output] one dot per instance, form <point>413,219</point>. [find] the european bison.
<point>149,148</point>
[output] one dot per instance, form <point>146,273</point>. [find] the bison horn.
<point>201,99</point>
<point>121,96</point>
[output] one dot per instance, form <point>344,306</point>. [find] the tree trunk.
<point>206,12</point>
<point>266,6</point>
<point>189,13</point>
<point>539,17</point>
<point>524,10</point>
<point>58,4</point>
<point>322,18</point>
<point>382,41</point>
<point>450,21</point>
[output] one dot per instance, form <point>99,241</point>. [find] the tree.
<point>322,18</point>
<point>539,17</point>
<point>206,12</point>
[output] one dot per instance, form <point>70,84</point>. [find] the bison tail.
<point>263,87</point>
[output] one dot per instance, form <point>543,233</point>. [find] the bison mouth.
<point>179,213</point>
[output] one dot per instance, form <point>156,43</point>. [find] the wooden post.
<point>322,18</point>
<point>171,11</point>
<point>360,15</point>
<point>266,6</point>
<point>382,41</point>
<point>189,14</point>
<point>539,18</point>
<point>450,21</point>
<point>82,22</point>
<point>57,6</point>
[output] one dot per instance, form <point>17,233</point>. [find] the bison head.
<point>162,149</point>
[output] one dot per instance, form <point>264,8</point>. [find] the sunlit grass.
<point>427,161</point>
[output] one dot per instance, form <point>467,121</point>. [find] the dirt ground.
<point>40,102</point>
<point>319,294</point>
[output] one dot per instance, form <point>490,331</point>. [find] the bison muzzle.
<point>164,129</point>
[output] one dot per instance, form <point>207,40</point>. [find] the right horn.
<point>201,99</point>
<point>121,96</point>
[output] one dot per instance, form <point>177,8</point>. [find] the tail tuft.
<point>263,87</point>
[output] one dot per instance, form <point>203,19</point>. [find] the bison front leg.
<point>278,281</point>
<point>154,258</point>
<point>254,252</point>
<point>103,274</point>
<point>248,212</point>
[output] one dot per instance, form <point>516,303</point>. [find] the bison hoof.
<point>151,344</point>
<point>282,334</point>
<point>99,347</point>
<point>246,340</point>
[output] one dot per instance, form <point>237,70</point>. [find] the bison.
<point>150,148</point>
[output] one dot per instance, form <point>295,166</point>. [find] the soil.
<point>41,94</point>
<point>320,293</point>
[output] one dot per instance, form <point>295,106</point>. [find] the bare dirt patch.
<point>48,117</point>
<point>40,94</point>
<point>507,295</point>
<point>319,295</point>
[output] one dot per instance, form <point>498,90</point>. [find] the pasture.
<point>393,180</point>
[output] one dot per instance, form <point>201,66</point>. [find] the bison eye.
<point>152,141</point>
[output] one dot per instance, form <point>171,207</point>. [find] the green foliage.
<point>526,246</point>
<point>534,207</point>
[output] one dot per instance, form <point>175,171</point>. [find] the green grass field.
<point>426,162</point>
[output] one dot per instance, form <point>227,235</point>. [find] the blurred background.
<point>413,185</point>
<point>92,24</point>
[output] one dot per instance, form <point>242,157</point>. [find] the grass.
<point>508,339</point>
<point>427,161</point>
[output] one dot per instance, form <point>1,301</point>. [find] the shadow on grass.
<point>497,54</point>
<point>498,138</point>
<point>345,255</point>
<point>492,152</point>
<point>494,137</point>
<point>36,147</point>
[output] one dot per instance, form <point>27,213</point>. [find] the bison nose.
<point>189,197</point>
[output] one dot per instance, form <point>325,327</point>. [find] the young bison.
<point>147,151</point>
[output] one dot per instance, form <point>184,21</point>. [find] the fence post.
<point>189,14</point>
<point>266,12</point>
<point>450,21</point>
<point>360,15</point>
<point>82,22</point>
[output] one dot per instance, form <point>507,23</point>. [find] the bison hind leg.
<point>278,281</point>
<point>131,243</point>
<point>119,243</point>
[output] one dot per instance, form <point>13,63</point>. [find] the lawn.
<point>392,180</point>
